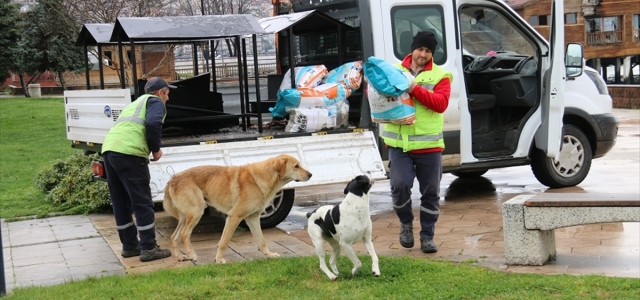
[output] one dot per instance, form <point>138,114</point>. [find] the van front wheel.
<point>573,163</point>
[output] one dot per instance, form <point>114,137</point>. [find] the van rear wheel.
<point>573,164</point>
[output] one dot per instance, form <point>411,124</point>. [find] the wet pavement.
<point>60,249</point>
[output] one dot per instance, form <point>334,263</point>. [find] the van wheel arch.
<point>584,122</point>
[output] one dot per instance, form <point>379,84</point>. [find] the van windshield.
<point>485,31</point>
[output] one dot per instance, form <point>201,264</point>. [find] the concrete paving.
<point>61,249</point>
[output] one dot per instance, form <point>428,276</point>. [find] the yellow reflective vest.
<point>128,136</point>
<point>426,132</point>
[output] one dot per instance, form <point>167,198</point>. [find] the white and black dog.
<point>343,225</point>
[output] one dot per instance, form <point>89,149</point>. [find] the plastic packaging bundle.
<point>385,109</point>
<point>312,119</point>
<point>386,88</point>
<point>306,77</point>
<point>385,78</point>
<point>349,74</point>
<point>334,91</point>
<point>314,91</point>
<point>300,97</point>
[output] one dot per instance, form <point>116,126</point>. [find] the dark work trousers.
<point>404,168</point>
<point>128,178</point>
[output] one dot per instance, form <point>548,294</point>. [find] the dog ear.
<point>353,182</point>
<point>365,183</point>
<point>281,165</point>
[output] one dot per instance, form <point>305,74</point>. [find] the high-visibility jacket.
<point>426,132</point>
<point>128,136</point>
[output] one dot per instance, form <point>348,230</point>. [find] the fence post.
<point>3,284</point>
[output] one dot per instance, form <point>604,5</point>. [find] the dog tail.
<point>167,203</point>
<point>300,214</point>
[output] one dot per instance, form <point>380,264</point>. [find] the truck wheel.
<point>469,174</point>
<point>573,165</point>
<point>277,211</point>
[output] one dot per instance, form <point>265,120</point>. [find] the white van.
<point>508,106</point>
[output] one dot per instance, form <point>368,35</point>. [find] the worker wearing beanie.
<point>415,151</point>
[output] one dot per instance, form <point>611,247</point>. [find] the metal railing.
<point>227,70</point>
<point>604,38</point>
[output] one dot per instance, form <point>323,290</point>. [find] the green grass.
<point>32,136</point>
<point>301,278</point>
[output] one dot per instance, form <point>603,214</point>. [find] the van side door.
<point>549,136</point>
<point>393,25</point>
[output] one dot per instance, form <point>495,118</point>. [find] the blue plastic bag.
<point>301,97</point>
<point>384,77</point>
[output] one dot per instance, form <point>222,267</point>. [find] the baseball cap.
<point>156,83</point>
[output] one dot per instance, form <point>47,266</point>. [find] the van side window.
<point>408,20</point>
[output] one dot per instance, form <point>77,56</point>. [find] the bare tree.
<point>254,7</point>
<point>223,7</point>
<point>107,11</point>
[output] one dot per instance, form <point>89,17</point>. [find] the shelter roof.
<point>308,21</point>
<point>184,28</point>
<point>94,34</point>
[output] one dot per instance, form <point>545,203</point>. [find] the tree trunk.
<point>204,49</point>
<point>230,48</point>
<point>62,82</point>
<point>24,86</point>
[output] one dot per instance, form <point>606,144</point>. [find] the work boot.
<point>130,252</point>
<point>155,253</point>
<point>406,235</point>
<point>427,245</point>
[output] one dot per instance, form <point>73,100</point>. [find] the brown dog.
<point>240,192</point>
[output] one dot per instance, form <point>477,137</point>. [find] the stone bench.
<point>529,220</point>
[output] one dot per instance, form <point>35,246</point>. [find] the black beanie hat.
<point>424,39</point>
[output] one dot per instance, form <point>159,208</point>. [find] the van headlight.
<point>597,80</point>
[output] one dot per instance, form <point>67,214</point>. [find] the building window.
<point>108,58</point>
<point>544,20</point>
<point>540,20</point>
<point>636,28</point>
<point>602,24</point>
<point>571,18</point>
<point>602,31</point>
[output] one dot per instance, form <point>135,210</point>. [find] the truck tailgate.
<point>90,114</point>
<point>332,158</point>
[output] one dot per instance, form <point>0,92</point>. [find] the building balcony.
<point>604,38</point>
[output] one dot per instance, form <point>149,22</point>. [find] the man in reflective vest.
<point>415,151</point>
<point>125,150</point>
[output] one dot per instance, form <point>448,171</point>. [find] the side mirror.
<point>574,60</point>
